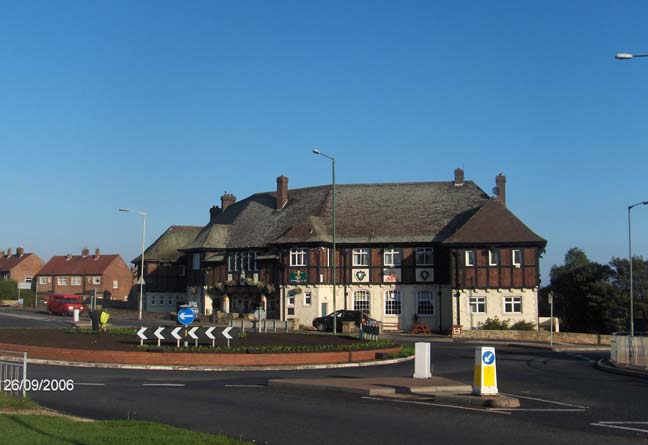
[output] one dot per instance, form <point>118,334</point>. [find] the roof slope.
<point>77,265</point>
<point>165,248</point>
<point>494,224</point>
<point>9,262</point>
<point>366,213</point>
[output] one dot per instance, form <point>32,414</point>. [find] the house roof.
<point>366,214</point>
<point>494,224</point>
<point>77,265</point>
<point>165,248</point>
<point>9,262</point>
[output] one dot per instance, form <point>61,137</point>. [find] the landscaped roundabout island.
<point>122,347</point>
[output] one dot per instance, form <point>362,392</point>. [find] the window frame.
<point>362,255</point>
<point>493,257</point>
<point>511,301</point>
<point>394,253</point>
<point>42,280</point>
<point>308,295</point>
<point>477,301</point>
<point>396,306</point>
<point>470,258</point>
<point>115,284</point>
<point>62,281</point>
<point>291,299</point>
<point>300,254</point>
<point>519,262</point>
<point>76,280</point>
<point>419,300</point>
<point>425,251</point>
<point>195,261</point>
<point>96,280</point>
<point>365,302</point>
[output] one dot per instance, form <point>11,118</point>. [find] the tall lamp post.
<point>317,152</point>
<point>141,278</point>
<point>630,260</point>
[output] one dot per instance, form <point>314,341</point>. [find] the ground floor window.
<point>512,305</point>
<point>392,302</point>
<point>477,305</point>
<point>361,301</point>
<point>424,305</point>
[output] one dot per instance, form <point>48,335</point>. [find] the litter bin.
<point>95,317</point>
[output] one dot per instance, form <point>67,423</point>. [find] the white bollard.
<point>485,381</point>
<point>422,360</point>
<point>76,315</point>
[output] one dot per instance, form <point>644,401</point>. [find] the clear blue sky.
<point>164,105</point>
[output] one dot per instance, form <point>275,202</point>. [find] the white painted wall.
<point>495,306</point>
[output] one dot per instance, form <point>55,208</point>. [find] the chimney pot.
<point>213,213</point>
<point>97,253</point>
<point>2,253</point>
<point>458,177</point>
<point>227,200</point>
<point>68,257</point>
<point>500,186</point>
<point>8,252</point>
<point>20,251</point>
<point>85,252</point>
<point>282,192</point>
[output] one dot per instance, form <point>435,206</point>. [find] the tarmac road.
<point>565,399</point>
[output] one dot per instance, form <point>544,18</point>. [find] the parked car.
<point>326,323</point>
<point>64,304</point>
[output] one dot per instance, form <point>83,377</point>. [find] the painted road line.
<point>582,357</point>
<point>164,384</point>
<point>245,386</point>
<point>546,401</point>
<point>619,427</point>
<point>613,422</point>
<point>440,405</point>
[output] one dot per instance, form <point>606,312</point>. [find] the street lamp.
<point>626,56</point>
<point>630,259</point>
<point>317,152</point>
<point>141,278</point>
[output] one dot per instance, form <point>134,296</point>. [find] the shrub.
<point>242,334</point>
<point>523,326</point>
<point>495,324</point>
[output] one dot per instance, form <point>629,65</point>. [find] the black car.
<point>326,323</point>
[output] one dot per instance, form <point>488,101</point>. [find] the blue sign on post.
<point>186,316</point>
<point>488,357</point>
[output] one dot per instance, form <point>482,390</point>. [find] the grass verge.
<point>13,404</point>
<point>360,346</point>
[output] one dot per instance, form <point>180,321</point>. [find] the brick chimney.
<point>227,200</point>
<point>20,251</point>
<point>458,177</point>
<point>8,252</point>
<point>97,253</point>
<point>85,252</point>
<point>282,192</point>
<point>500,188</point>
<point>2,253</point>
<point>213,213</point>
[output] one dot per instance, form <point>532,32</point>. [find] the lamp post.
<point>141,278</point>
<point>626,56</point>
<point>332,159</point>
<point>630,260</point>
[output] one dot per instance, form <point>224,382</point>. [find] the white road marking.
<point>440,405</point>
<point>163,384</point>
<point>582,357</point>
<point>244,386</point>
<point>623,423</point>
<point>619,427</point>
<point>89,384</point>
<point>550,410</point>
<point>546,401</point>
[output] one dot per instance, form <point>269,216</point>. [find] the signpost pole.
<point>551,320</point>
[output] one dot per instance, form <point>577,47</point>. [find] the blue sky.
<point>163,106</point>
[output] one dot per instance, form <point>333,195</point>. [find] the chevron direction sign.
<point>185,333</point>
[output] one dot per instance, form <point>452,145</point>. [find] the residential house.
<point>440,253</point>
<point>82,274</point>
<point>20,267</point>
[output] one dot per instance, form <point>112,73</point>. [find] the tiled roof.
<point>494,224</point>
<point>9,262</point>
<point>366,213</point>
<point>165,248</point>
<point>77,265</point>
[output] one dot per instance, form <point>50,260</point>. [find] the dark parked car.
<point>326,323</point>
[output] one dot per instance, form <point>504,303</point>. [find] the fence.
<point>263,325</point>
<point>13,373</point>
<point>629,351</point>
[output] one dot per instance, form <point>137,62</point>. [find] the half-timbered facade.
<point>441,253</point>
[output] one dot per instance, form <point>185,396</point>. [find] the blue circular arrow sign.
<point>488,357</point>
<point>186,316</point>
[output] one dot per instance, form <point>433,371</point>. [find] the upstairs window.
<point>517,257</point>
<point>424,256</point>
<point>195,261</point>
<point>493,257</point>
<point>360,257</point>
<point>75,281</point>
<point>28,279</point>
<point>96,280</point>
<point>298,257</point>
<point>62,281</point>
<point>42,280</point>
<point>392,258</point>
<point>470,258</point>
<point>115,284</point>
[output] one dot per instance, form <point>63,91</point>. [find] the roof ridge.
<point>468,181</point>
